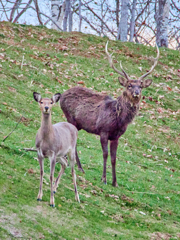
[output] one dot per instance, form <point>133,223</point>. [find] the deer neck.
<point>46,126</point>
<point>130,101</point>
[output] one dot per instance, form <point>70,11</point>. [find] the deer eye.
<point>41,102</point>
<point>51,102</point>
<point>130,86</point>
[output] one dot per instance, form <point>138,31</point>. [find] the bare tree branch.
<point>37,10</point>
<point>100,19</point>
<point>175,5</point>
<point>15,7</point>
<point>47,17</point>
<point>24,9</point>
<point>86,20</point>
<point>4,10</point>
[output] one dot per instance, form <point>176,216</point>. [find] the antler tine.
<point>124,71</point>
<point>152,68</point>
<point>112,66</point>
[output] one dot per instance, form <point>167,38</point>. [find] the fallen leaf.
<point>31,171</point>
<point>160,110</point>
<point>169,88</point>
<point>59,81</point>
<point>63,48</point>
<point>80,82</point>
<point>142,213</point>
<point>11,89</point>
<point>150,98</point>
<point>47,92</point>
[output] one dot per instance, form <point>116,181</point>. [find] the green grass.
<point>146,205</point>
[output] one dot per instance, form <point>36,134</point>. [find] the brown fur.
<point>54,142</point>
<point>102,115</point>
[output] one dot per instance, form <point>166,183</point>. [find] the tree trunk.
<point>123,25</point>
<point>132,23</point>
<point>70,18</point>
<point>161,17</point>
<point>80,17</point>
<point>67,11</point>
<point>117,13</point>
<point>102,17</point>
<point>57,10</point>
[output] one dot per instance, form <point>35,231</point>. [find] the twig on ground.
<point>22,62</point>
<point>143,192</point>
<point>12,130</point>
<point>30,149</point>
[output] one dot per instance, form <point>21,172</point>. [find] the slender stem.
<point>13,129</point>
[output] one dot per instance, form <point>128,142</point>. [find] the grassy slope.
<point>146,204</point>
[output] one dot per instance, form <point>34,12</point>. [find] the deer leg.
<point>52,163</point>
<point>41,163</point>
<point>104,144</point>
<point>113,150</point>
<point>63,162</point>
<point>78,162</point>
<point>72,162</point>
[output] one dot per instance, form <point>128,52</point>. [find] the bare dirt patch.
<point>159,236</point>
<point>7,222</point>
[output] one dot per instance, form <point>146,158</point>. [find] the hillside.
<point>146,205</point>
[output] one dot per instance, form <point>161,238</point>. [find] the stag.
<point>101,115</point>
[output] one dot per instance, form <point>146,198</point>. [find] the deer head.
<point>133,87</point>
<point>46,103</point>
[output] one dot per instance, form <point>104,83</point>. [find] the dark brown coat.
<point>97,113</point>
<point>100,114</point>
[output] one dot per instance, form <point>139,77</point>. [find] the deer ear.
<point>146,83</point>
<point>56,97</point>
<point>37,96</point>
<point>122,81</point>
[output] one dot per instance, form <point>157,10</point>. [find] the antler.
<point>124,74</point>
<point>152,68</point>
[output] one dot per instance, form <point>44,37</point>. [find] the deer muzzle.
<point>136,94</point>
<point>46,109</point>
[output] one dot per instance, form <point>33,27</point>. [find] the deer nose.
<point>137,92</point>
<point>46,108</point>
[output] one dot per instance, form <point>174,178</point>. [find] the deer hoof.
<point>81,170</point>
<point>103,179</point>
<point>39,199</point>
<point>52,205</point>
<point>115,184</point>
